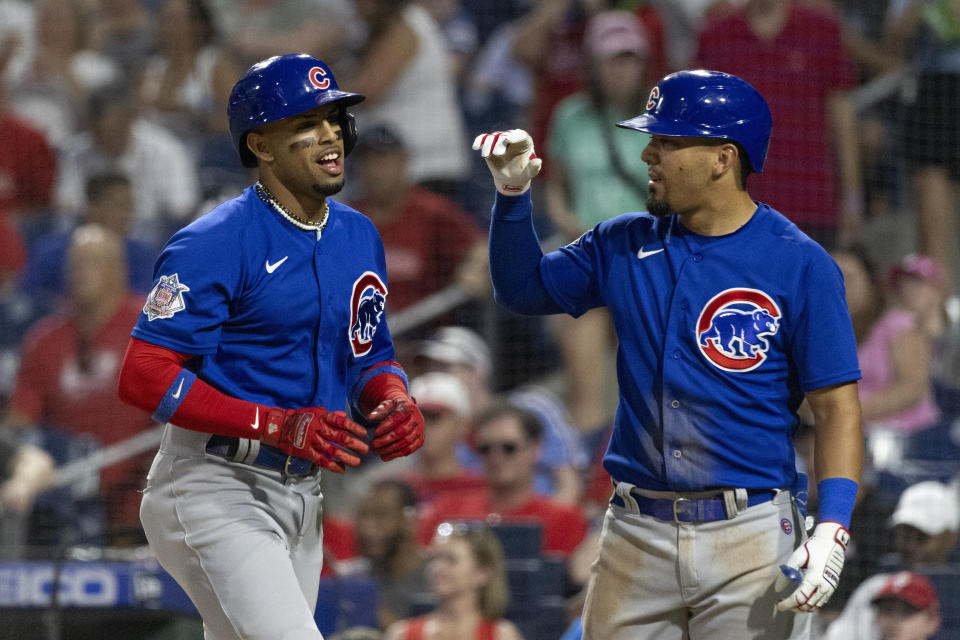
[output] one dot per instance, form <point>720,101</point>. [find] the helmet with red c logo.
<point>280,87</point>
<point>708,104</point>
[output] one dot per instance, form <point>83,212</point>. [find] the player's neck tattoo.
<point>268,198</point>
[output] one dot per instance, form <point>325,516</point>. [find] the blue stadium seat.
<point>519,539</point>
<point>947,583</point>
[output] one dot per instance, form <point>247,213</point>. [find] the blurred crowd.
<point>114,134</point>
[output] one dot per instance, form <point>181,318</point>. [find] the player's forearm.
<point>839,437</point>
<point>153,379</point>
<point>838,450</point>
<point>515,258</point>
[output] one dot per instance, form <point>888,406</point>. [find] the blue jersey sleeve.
<point>196,280</point>
<point>824,347</point>
<point>515,257</point>
<point>573,274</point>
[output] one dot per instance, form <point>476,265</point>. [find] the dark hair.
<point>529,422</point>
<point>99,183</point>
<point>406,493</point>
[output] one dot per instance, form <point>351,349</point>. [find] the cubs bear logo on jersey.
<point>366,310</point>
<point>166,298</point>
<point>732,326</point>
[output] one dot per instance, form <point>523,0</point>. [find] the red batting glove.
<point>400,431</point>
<point>326,438</point>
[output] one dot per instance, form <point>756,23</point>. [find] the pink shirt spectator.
<point>877,371</point>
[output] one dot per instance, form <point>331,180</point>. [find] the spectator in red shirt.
<point>426,236</point>
<point>27,166</point>
<point>793,54</point>
<point>67,379</point>
<point>468,581</point>
<point>446,404</point>
<point>508,441</point>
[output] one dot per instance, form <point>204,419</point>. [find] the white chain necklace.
<point>264,194</point>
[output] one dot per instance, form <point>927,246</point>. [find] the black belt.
<point>267,457</point>
<point>682,509</point>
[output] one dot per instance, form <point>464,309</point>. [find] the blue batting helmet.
<point>280,87</point>
<point>708,104</point>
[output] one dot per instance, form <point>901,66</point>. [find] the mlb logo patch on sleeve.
<point>166,298</point>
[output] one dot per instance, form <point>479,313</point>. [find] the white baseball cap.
<point>457,345</point>
<point>439,391</point>
<point>931,507</point>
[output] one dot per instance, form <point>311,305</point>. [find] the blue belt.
<point>267,457</point>
<point>707,509</point>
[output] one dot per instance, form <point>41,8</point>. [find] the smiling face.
<point>304,152</point>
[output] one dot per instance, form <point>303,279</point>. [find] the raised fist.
<point>510,158</point>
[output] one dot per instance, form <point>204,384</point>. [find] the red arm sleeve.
<point>147,376</point>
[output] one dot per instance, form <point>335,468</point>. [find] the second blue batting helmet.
<point>708,104</point>
<point>280,87</point>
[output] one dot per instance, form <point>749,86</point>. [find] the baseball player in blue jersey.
<point>728,317</point>
<point>263,335</point>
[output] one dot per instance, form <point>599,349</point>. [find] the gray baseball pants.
<point>245,546</point>
<point>706,581</point>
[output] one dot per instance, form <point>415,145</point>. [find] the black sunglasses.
<point>507,448</point>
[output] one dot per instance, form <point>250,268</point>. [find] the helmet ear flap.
<point>247,158</point>
<point>348,126</point>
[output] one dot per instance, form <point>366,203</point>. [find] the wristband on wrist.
<point>381,381</point>
<point>836,497</point>
<point>175,394</point>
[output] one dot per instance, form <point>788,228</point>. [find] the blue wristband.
<point>836,497</point>
<point>175,394</point>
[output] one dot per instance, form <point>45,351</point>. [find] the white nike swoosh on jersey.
<point>176,396</point>
<point>273,267</point>
<point>256,421</point>
<point>644,254</point>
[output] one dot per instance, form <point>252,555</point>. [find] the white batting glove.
<point>820,561</point>
<point>510,158</point>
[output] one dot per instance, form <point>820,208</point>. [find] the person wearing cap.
<point>465,354</point>
<point>264,327</point>
<point>429,240</point>
<point>907,608</point>
<point>926,525</point>
<point>727,318</point>
<point>446,406</point>
<point>600,179</point>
